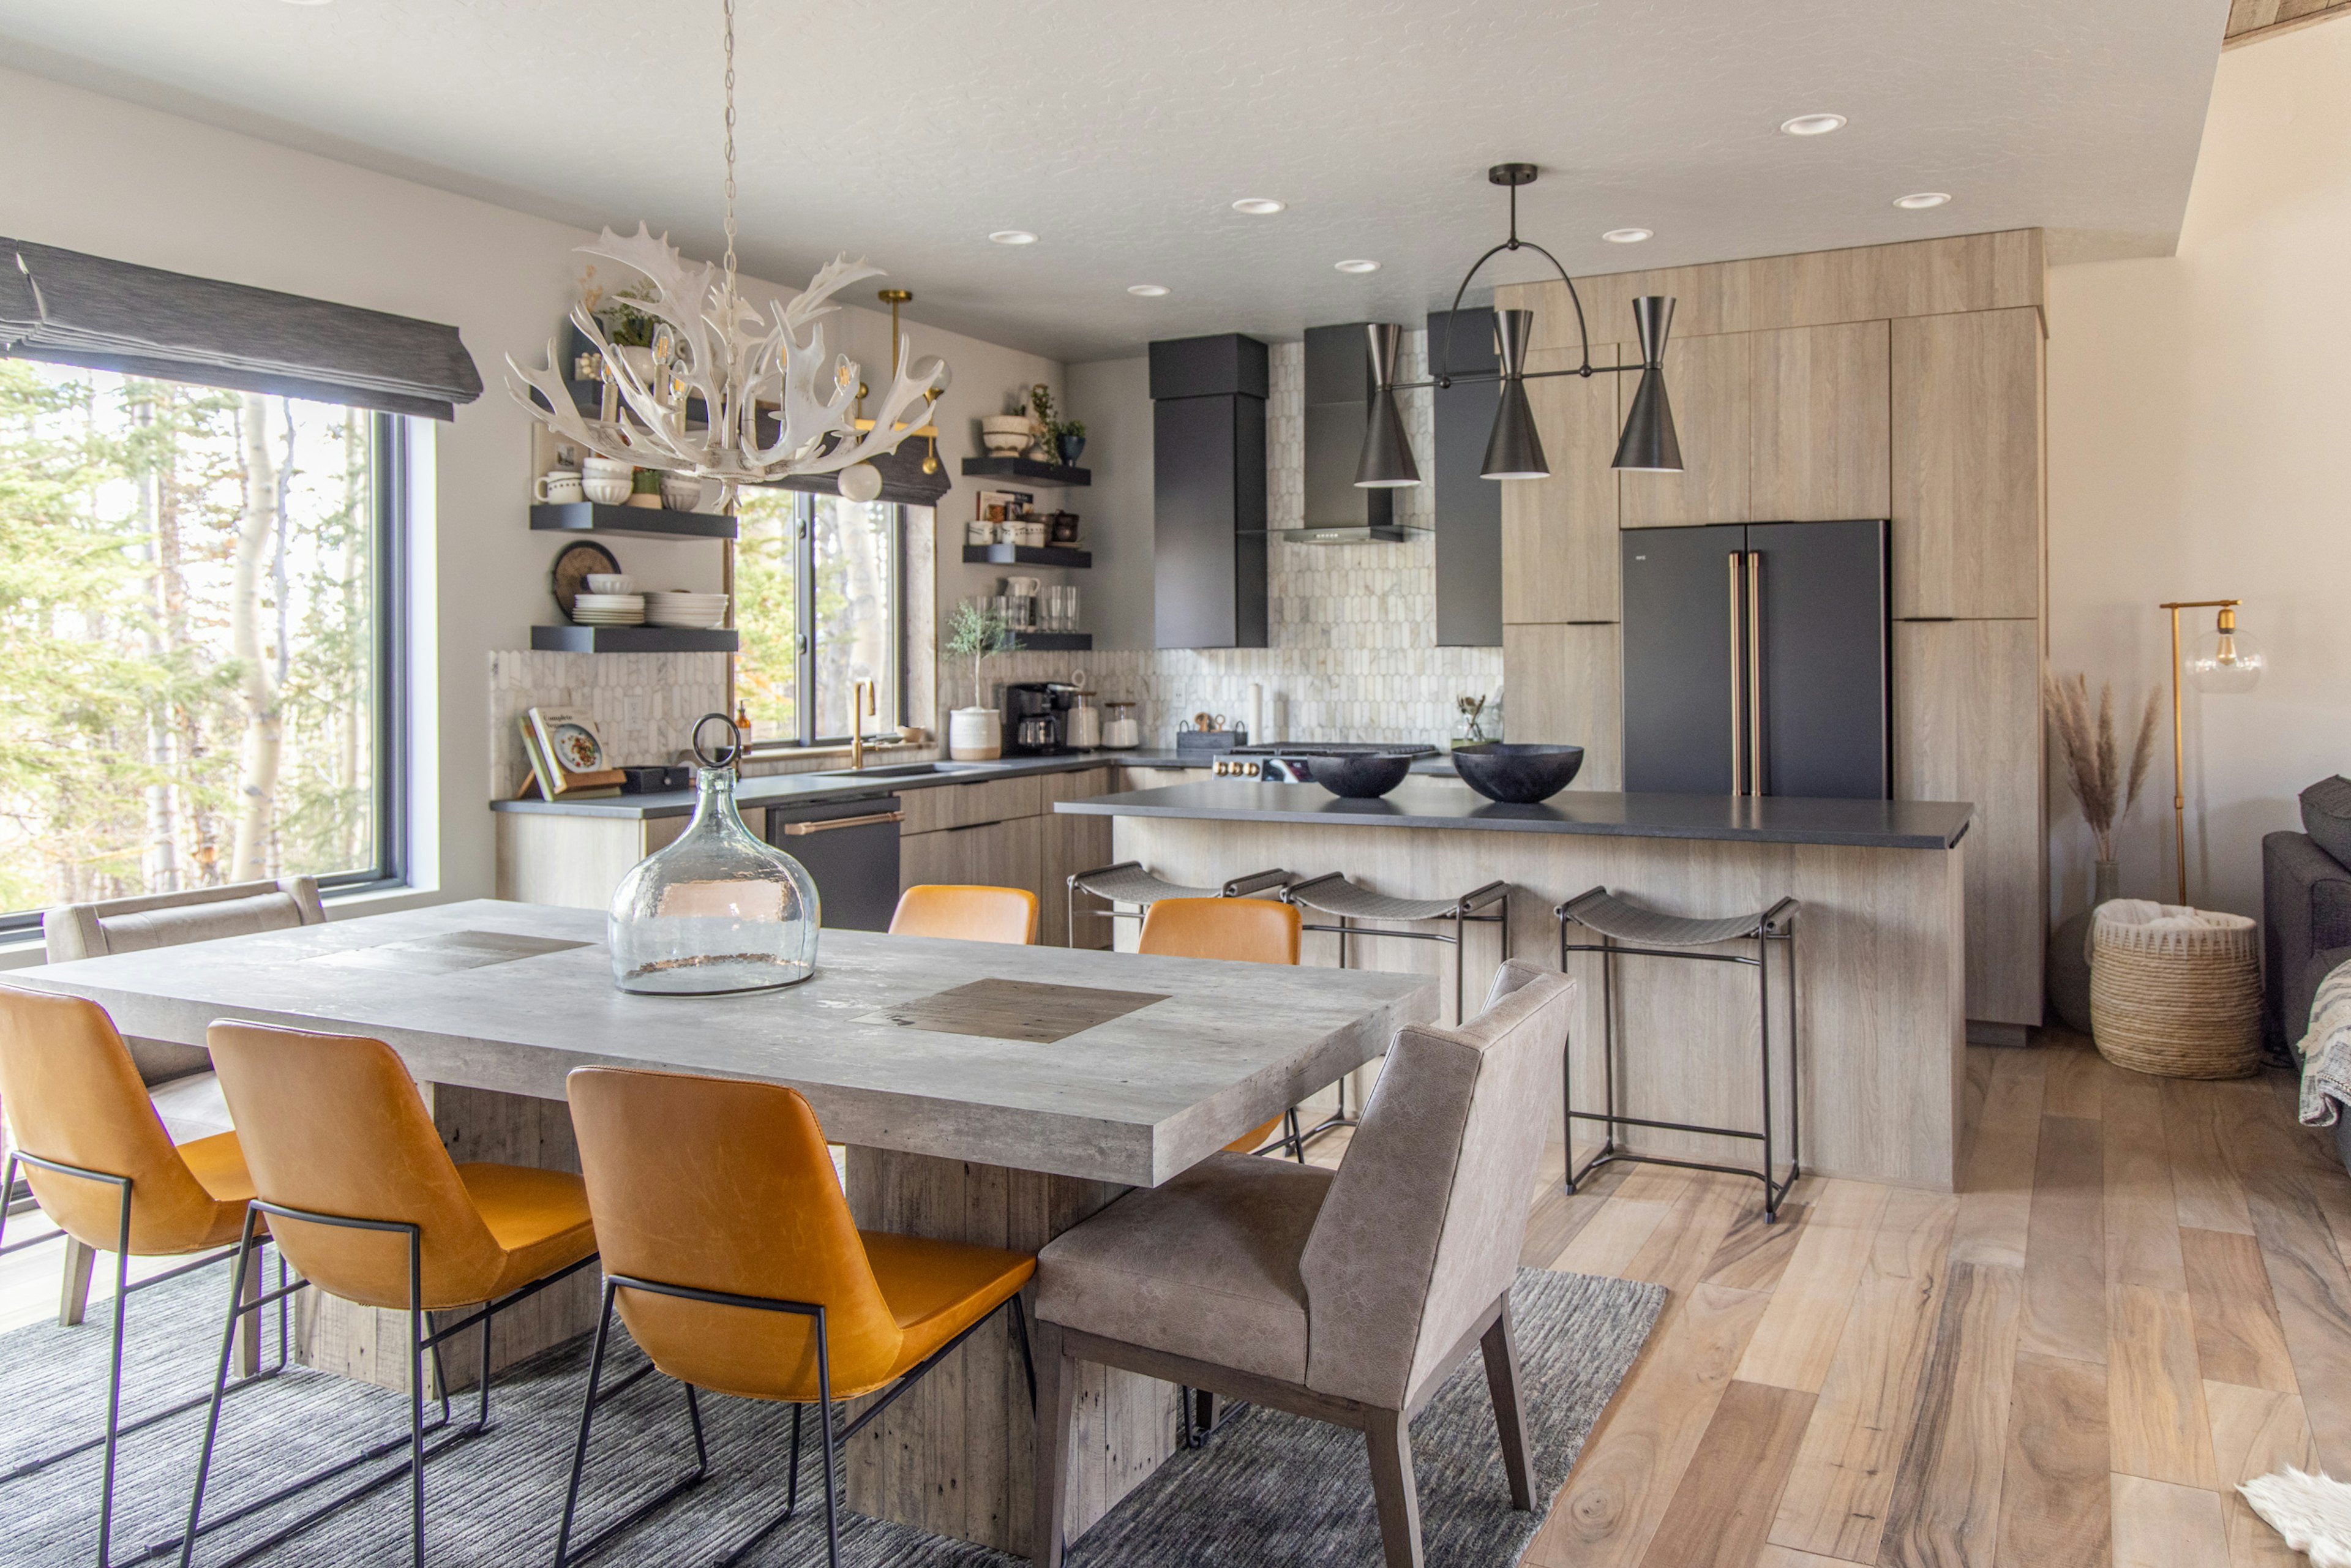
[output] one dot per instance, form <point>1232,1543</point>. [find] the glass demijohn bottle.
<point>717,910</point>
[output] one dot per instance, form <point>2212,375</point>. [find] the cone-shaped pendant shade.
<point>1514,451</point>
<point>1649,445</point>
<point>1387,462</point>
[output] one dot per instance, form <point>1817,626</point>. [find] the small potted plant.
<point>1070,436</point>
<point>976,734</point>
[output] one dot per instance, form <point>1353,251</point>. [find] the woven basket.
<point>2175,991</point>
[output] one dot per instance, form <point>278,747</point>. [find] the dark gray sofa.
<point>2307,910</point>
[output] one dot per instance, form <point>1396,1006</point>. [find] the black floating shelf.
<point>628,522</point>
<point>1060,474</point>
<point>1026,555</point>
<point>630,640</point>
<point>1056,642</point>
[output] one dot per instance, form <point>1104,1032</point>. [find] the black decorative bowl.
<point>1360,776</point>
<point>1519,775</point>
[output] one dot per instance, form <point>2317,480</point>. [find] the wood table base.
<point>955,1456</point>
<point>369,1345</point>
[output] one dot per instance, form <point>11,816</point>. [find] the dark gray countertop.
<point>763,791</point>
<point>1433,803</point>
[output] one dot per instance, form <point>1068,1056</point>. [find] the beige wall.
<point>93,174</point>
<point>2199,442</point>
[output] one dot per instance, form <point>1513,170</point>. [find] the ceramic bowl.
<point>607,583</point>
<point>1363,776</point>
<point>1517,775</point>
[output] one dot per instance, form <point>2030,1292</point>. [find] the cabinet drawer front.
<point>1078,786</point>
<point>961,805</point>
<point>994,854</point>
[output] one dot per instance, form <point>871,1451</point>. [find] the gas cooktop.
<point>1334,748</point>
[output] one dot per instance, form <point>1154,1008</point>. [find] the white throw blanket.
<point>2327,1051</point>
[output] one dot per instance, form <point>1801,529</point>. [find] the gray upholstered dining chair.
<point>1346,1296</point>
<point>186,1091</point>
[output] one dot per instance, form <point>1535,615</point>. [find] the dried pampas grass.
<point>2093,759</point>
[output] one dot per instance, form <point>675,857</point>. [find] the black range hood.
<point>1339,384</point>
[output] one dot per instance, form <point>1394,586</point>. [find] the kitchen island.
<point>1880,997</point>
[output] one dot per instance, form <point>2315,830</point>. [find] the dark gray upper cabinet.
<point>1209,518</point>
<point>1468,510</point>
<point>1338,401</point>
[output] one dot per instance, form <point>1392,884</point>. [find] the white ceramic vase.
<point>975,735</point>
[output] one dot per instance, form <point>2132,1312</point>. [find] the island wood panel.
<point>1072,844</point>
<point>1968,464</point>
<point>1865,283</point>
<point>1967,726</point>
<point>1880,948</point>
<point>1710,381</point>
<point>956,1454</point>
<point>1563,688</point>
<point>1559,534</point>
<point>1821,405</point>
<point>990,854</point>
<point>575,861</point>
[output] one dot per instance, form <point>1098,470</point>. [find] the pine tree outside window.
<point>816,603</point>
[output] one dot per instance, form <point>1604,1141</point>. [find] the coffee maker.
<point>1033,721</point>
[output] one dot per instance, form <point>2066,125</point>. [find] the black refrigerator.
<point>1755,660</point>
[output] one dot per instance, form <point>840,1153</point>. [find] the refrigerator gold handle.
<point>1755,671</point>
<point>1738,722</point>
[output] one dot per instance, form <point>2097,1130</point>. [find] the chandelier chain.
<point>730,152</point>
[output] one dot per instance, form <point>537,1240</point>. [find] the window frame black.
<point>804,702</point>
<point>388,563</point>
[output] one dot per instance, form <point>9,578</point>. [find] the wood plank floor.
<point>2139,1300</point>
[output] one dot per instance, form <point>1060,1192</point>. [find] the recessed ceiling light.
<point>1358,264</point>
<point>1919,202</point>
<point>1813,124</point>
<point>1147,290</point>
<point>1258,206</point>
<point>1626,237</point>
<point>1013,237</point>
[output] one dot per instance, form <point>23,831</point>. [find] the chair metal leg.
<point>416,1396</point>
<point>1020,1337</point>
<point>564,1552</point>
<point>824,1435</point>
<point>114,1382</point>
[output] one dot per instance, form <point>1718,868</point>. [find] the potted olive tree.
<point>976,734</point>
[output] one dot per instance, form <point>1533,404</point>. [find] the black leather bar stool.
<point>1129,882</point>
<point>1627,928</point>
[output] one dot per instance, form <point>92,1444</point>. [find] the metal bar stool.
<point>1617,924</point>
<point>1128,882</point>
<point>1335,895</point>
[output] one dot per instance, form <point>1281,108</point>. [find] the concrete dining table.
<point>984,1094</point>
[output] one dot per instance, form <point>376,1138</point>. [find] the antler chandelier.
<point>751,375</point>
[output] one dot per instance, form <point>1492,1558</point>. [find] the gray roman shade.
<point>68,308</point>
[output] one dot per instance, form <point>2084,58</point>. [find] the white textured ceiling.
<point>1119,131</point>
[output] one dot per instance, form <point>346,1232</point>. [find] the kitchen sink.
<point>903,771</point>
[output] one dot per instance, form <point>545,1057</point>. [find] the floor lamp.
<point>2225,660</point>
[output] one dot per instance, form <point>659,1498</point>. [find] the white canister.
<point>1121,731</point>
<point>975,735</point>
<point>1082,719</point>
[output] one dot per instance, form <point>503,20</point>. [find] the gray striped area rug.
<point>1267,1489</point>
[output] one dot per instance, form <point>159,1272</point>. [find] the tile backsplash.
<point>1354,633</point>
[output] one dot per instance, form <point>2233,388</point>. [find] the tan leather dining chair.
<point>365,1199</point>
<point>106,1173</point>
<point>731,1255</point>
<point>969,914</point>
<point>1237,931</point>
<point>1345,1296</point>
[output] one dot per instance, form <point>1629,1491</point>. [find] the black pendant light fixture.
<point>1514,451</point>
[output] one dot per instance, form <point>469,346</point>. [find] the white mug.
<point>558,486</point>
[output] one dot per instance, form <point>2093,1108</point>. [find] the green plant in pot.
<point>976,734</point>
<point>1070,439</point>
<point>2105,791</point>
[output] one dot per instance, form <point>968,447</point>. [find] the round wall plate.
<point>574,564</point>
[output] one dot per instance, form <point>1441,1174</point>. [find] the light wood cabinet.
<point>1709,383</point>
<point>1967,717</point>
<point>991,854</point>
<point>1968,462</point>
<point>1559,534</point>
<point>1563,684</point>
<point>1821,423</point>
<point>549,857</point>
<point>1070,845</point>
<point>930,808</point>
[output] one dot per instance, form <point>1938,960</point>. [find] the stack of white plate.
<point>609,609</point>
<point>700,612</point>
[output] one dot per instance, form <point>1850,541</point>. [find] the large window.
<point>198,600</point>
<point>816,600</point>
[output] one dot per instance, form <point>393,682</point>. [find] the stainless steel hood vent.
<point>1339,387</point>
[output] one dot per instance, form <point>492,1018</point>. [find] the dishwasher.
<point>850,848</point>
